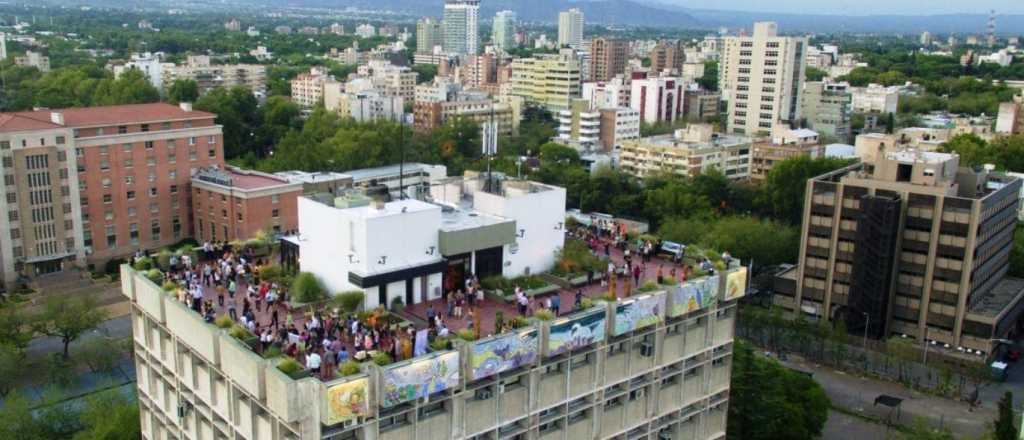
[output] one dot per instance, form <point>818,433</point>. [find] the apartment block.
<point>657,98</point>
<point>308,88</point>
<point>701,105</point>
<point>84,185</point>
<point>826,108</point>
<point>907,242</point>
<point>429,34</point>
<point>461,28</point>
<point>875,98</point>
<point>762,76</point>
<point>570,27</point>
<point>655,365</point>
<point>607,58</point>
<point>1011,116</point>
<point>231,204</point>
<point>667,56</point>
<point>547,80</point>
<point>503,31</point>
<point>476,106</point>
<point>607,94</point>
<point>618,124</point>
<point>688,152</point>
<point>579,126</point>
<point>210,76</point>
<point>785,143</point>
<point>33,59</point>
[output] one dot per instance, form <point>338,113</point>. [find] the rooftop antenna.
<point>991,28</point>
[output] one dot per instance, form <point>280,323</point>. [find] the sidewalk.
<point>857,394</point>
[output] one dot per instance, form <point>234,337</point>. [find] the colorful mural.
<point>348,400</point>
<point>693,295</point>
<point>568,334</point>
<point>419,378</point>
<point>736,284</point>
<point>639,312</point>
<point>503,353</point>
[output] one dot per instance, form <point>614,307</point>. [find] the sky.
<point>860,7</point>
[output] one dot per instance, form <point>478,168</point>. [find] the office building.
<point>389,78</point>
<point>607,58</point>
<point>570,28</point>
<point>826,108</point>
<point>605,94</point>
<point>429,34</point>
<point>657,98</point>
<point>1011,116</point>
<point>784,143</point>
<point>762,77</point>
<point>909,243</point>
<point>546,79</point>
<point>479,71</point>
<point>461,28</point>
<point>85,185</point>
<point>210,76</point>
<point>231,204</point>
<point>667,56</point>
<point>308,87</point>
<point>689,152</point>
<point>34,59</point>
<point>503,31</point>
<point>595,373</point>
<point>875,98</point>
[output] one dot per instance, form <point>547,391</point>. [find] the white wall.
<point>536,215</point>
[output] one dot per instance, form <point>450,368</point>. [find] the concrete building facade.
<point>503,31</point>
<point>547,80</point>
<point>461,28</point>
<point>826,108</point>
<point>1011,116</point>
<point>657,98</point>
<point>762,76</point>
<point>429,34</point>
<point>607,58</point>
<point>570,27</point>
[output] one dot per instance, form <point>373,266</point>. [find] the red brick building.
<point>233,204</point>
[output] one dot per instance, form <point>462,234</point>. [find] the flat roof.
<point>231,177</point>
<point>388,170</point>
<point>723,141</point>
<point>1002,296</point>
<point>919,156</point>
<point>462,218</point>
<point>391,208</point>
<point>311,177</point>
<point>101,115</point>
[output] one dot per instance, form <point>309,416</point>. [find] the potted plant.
<point>292,368</point>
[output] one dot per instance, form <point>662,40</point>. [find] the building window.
<point>144,127</point>
<point>275,213</point>
<point>192,140</point>
<point>122,129</point>
<point>149,145</point>
<point>154,208</point>
<point>129,180</point>
<point>111,237</point>
<point>87,236</point>
<point>213,152</point>
<point>151,161</point>
<point>128,163</point>
<point>104,165</point>
<point>152,192</point>
<point>108,214</point>
<point>126,147</point>
<point>5,145</point>
<point>211,140</point>
<point>131,211</point>
<point>174,189</point>
<point>239,216</point>
<point>61,140</point>
<point>133,233</point>
<point>172,174</point>
<point>12,216</point>
<point>131,195</point>
<point>103,149</point>
<point>107,199</point>
<point>224,213</point>
<point>275,198</point>
<point>176,226</point>
<point>155,230</point>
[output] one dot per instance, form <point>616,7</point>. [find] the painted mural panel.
<point>419,378</point>
<point>568,334</point>
<point>639,312</point>
<point>503,353</point>
<point>346,401</point>
<point>694,295</point>
<point>736,284</point>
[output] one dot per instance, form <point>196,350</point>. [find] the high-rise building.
<point>667,55</point>
<point>909,243</point>
<point>607,58</point>
<point>657,98</point>
<point>826,108</point>
<point>460,26</point>
<point>85,185</point>
<point>570,27</point>
<point>926,38</point>
<point>548,80</point>
<point>34,59</point>
<point>503,31</point>
<point>762,77</point>
<point>429,34</point>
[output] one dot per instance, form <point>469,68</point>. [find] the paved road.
<point>845,427</point>
<point>114,328</point>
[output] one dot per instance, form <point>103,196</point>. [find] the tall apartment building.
<point>689,152</point>
<point>657,98</point>
<point>548,80</point>
<point>826,108</point>
<point>1011,116</point>
<point>763,76</point>
<point>461,31</point>
<point>618,124</point>
<point>232,204</point>
<point>210,76</point>
<point>604,94</point>
<point>607,58</point>
<point>503,32</point>
<point>149,64</point>
<point>570,27</point>
<point>907,242</point>
<point>579,126</point>
<point>84,185</point>
<point>389,78</point>
<point>667,55</point>
<point>651,366</point>
<point>308,87</point>
<point>429,34</point>
<point>479,71</point>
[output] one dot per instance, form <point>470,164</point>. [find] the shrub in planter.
<point>348,368</point>
<point>291,367</point>
<point>668,281</point>
<point>440,344</point>
<point>155,276</point>
<point>381,359</point>
<point>239,332</point>
<point>648,286</point>
<point>271,352</point>
<point>586,303</point>
<point>520,322</point>
<point>544,315</point>
<point>169,286</point>
<point>466,335</point>
<point>397,304</point>
<point>350,301</point>
<point>306,288</point>
<point>143,263</point>
<point>499,321</point>
<point>610,297</point>
<point>223,321</point>
<point>163,259</point>
<point>271,273</point>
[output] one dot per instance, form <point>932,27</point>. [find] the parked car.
<point>673,250</point>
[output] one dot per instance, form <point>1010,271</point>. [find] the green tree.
<point>68,317</point>
<point>556,152</point>
<point>783,194</point>
<point>307,288</point>
<point>237,112</point>
<point>710,79</point>
<point>1004,427</point>
<point>183,90</point>
<point>770,402</point>
<point>814,74</point>
<point>973,150</point>
<point>109,415</point>
<point>426,72</point>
